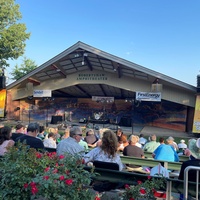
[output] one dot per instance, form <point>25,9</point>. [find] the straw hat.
<point>194,147</point>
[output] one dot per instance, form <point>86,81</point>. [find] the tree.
<point>12,34</point>
<point>27,66</point>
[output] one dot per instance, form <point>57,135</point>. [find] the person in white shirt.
<point>51,141</point>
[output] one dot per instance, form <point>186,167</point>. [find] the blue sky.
<point>162,35</point>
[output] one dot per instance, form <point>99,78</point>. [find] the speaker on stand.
<point>2,82</point>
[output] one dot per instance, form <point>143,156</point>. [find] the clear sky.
<point>162,35</point>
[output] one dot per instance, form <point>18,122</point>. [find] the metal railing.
<point>187,169</point>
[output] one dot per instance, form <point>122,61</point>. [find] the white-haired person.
<point>107,152</point>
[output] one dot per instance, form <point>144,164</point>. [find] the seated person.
<point>123,142</point>
<point>30,138</point>
<point>5,139</point>
<point>90,138</point>
<point>194,147</point>
<point>142,140</point>
<point>170,141</point>
<point>133,150</point>
<point>152,145</point>
<point>165,152</point>
<point>119,133</point>
<point>51,141</point>
<point>41,133</point>
<point>107,152</point>
<point>19,131</point>
<point>71,144</point>
<point>182,146</point>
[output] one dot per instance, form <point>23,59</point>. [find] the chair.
<point>106,165</point>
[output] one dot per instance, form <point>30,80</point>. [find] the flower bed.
<point>28,174</point>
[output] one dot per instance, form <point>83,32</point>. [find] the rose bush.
<point>28,174</point>
<point>147,189</point>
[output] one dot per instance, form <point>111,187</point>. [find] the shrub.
<point>28,174</point>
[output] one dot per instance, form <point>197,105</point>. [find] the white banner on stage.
<point>148,96</point>
<point>103,99</point>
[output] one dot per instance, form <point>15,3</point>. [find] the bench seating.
<point>150,163</point>
<point>131,178</point>
<point>182,158</point>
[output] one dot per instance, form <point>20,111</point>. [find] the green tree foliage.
<point>27,66</point>
<point>12,34</point>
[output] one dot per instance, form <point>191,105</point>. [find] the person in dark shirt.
<point>194,147</point>
<point>30,138</point>
<point>133,150</point>
<point>19,132</point>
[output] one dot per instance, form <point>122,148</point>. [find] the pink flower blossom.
<point>32,184</point>
<point>61,156</point>
<point>69,182</point>
<point>25,185</point>
<point>38,155</point>
<point>55,171</point>
<point>149,177</point>
<point>47,169</point>
<point>34,190</point>
<point>131,198</point>
<point>142,191</point>
<point>127,186</point>
<point>45,177</point>
<point>61,178</point>
<point>139,182</point>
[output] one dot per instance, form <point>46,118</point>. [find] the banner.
<point>148,96</point>
<point>103,99</point>
<point>42,93</point>
<point>196,121</point>
<point>2,102</point>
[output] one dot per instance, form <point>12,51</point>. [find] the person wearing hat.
<point>182,144</point>
<point>194,147</point>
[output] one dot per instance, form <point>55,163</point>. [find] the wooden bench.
<point>182,158</point>
<point>131,178</point>
<point>150,163</point>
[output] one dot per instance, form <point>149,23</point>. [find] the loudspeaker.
<point>2,82</point>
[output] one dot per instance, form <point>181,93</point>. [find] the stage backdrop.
<point>162,114</point>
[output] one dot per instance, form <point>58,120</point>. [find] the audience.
<point>30,138</point>
<point>194,147</point>
<point>133,150</point>
<point>5,139</point>
<point>19,131</point>
<point>165,152</point>
<point>71,145</point>
<point>152,144</point>
<point>107,152</point>
<point>51,141</point>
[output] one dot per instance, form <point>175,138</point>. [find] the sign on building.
<point>148,96</point>
<point>42,93</point>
